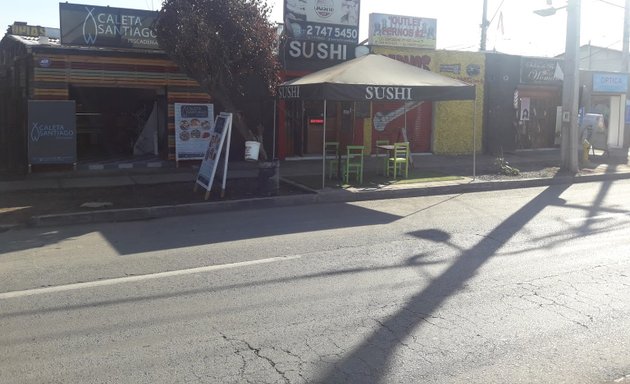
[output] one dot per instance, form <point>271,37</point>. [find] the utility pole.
<point>570,86</point>
<point>626,31</point>
<point>484,26</point>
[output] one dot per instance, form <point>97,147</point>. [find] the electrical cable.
<point>495,12</point>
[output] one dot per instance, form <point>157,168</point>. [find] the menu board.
<point>193,127</point>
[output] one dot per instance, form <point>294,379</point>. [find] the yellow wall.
<point>452,120</point>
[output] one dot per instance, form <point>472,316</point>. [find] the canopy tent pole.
<point>474,138</point>
<point>405,114</point>
<point>324,150</point>
<point>273,146</point>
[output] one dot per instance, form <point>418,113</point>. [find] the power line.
<point>495,12</point>
<point>613,4</point>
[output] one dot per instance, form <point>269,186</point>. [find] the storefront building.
<point>445,127</point>
<point>606,93</point>
<point>523,97</point>
<point>524,103</point>
<point>315,38</point>
<point>122,86</point>
<point>300,123</point>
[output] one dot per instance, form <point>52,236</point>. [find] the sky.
<point>514,28</point>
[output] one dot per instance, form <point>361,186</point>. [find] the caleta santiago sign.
<point>89,25</point>
<point>52,137</point>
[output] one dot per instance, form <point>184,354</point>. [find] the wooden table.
<point>388,147</point>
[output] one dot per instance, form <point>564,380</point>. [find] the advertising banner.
<point>525,103</point>
<point>23,29</point>
<point>193,128</point>
<point>52,133</point>
<point>322,20</point>
<point>93,26</point>
<point>610,82</point>
<point>402,31</point>
<point>541,71</point>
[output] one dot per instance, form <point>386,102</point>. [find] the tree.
<point>227,46</point>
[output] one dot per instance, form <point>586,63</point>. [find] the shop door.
<point>537,118</point>
<point>110,120</point>
<point>616,121</point>
<point>612,107</point>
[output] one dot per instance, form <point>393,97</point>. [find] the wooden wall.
<point>53,74</point>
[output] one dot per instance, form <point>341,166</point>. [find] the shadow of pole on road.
<point>369,361</point>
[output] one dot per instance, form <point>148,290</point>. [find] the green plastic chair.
<point>332,158</point>
<point>354,162</point>
<point>380,152</point>
<point>399,159</point>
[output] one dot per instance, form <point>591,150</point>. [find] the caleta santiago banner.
<point>94,26</point>
<point>52,133</point>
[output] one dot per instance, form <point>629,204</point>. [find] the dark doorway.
<point>110,120</point>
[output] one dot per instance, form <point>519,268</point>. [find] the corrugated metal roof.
<point>34,41</point>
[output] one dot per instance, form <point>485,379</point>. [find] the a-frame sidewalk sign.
<point>210,162</point>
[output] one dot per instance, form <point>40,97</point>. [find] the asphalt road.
<point>519,286</point>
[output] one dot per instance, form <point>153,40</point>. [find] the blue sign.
<point>96,26</point>
<point>610,83</point>
<point>52,132</point>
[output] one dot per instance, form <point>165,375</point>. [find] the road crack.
<point>258,354</point>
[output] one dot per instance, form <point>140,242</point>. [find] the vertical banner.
<point>52,133</point>
<point>210,161</point>
<point>193,127</point>
<point>525,110</point>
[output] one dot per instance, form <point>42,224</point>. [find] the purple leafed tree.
<point>227,46</point>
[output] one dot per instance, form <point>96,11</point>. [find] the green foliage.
<point>226,45</point>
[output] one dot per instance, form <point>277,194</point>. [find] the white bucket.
<point>251,150</point>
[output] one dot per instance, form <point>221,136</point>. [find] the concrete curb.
<point>335,196</point>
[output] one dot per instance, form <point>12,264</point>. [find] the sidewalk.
<point>41,199</point>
